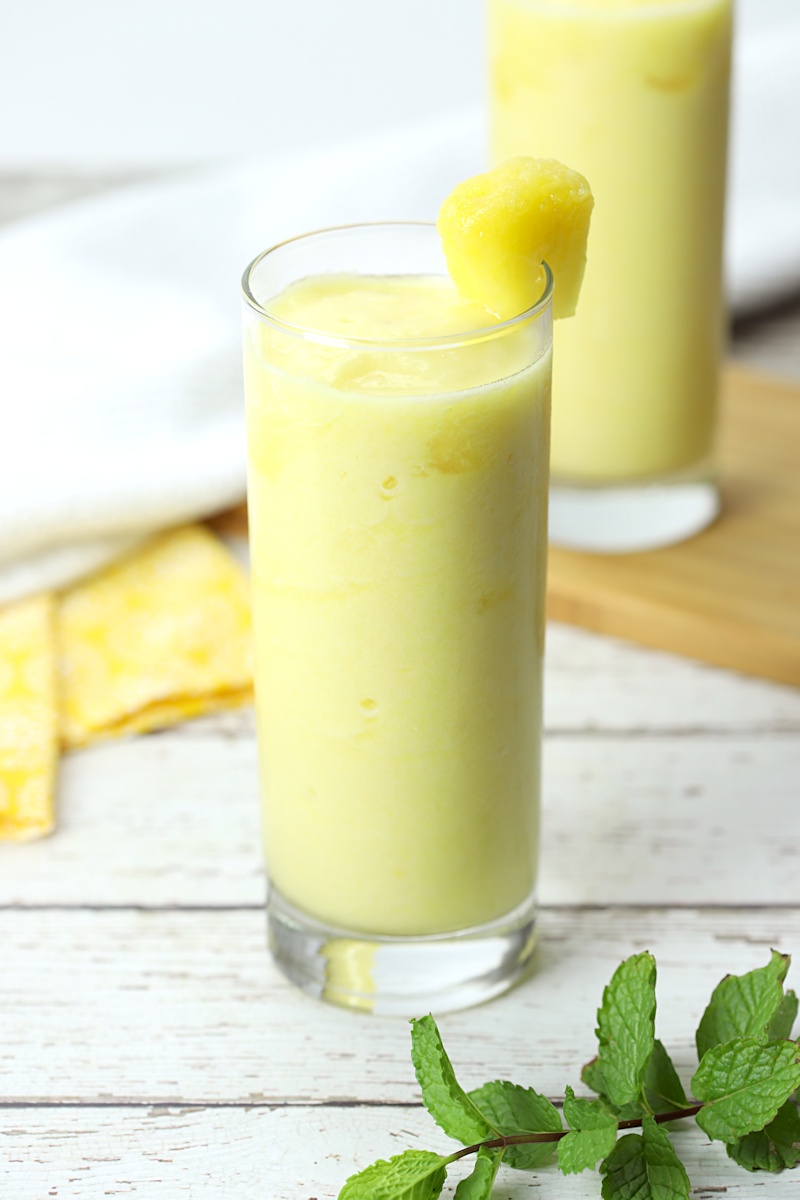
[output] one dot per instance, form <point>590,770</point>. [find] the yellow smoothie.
<point>398,493</point>
<point>633,94</point>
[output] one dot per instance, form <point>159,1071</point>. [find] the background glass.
<point>634,94</point>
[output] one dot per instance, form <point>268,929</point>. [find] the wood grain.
<point>730,596</point>
<point>678,819</point>
<point>187,1008</point>
<point>294,1153</point>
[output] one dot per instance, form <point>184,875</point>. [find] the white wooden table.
<point>150,1048</point>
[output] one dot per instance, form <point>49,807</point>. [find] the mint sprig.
<point>743,1083</point>
<point>645,1167</point>
<point>511,1109</point>
<point>592,1134</point>
<point>783,1022</point>
<point>662,1090</point>
<point>478,1185</point>
<point>745,1005</point>
<point>445,1099</point>
<point>626,1028</point>
<point>749,1070</point>
<point>414,1175</point>
<point>772,1148</point>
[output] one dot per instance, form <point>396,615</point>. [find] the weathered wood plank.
<point>282,1154</point>
<point>704,820</point>
<point>152,821</point>
<point>187,1008</point>
<point>171,820</point>
<point>594,682</point>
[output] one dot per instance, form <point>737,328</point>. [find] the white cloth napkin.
<point>763,242</point>
<point>120,376</point>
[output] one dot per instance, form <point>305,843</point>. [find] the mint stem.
<point>526,1139</point>
<point>660,1118</point>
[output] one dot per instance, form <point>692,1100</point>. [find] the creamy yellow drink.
<point>634,94</point>
<point>398,495</point>
<point>398,403</point>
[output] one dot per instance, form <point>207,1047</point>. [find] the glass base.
<point>401,976</point>
<point>630,518</point>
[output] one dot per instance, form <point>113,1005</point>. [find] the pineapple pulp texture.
<point>635,95</point>
<point>398,541</point>
<point>498,228</point>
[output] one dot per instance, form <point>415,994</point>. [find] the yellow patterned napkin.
<point>28,719</point>
<point>162,636</point>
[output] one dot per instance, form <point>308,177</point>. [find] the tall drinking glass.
<point>634,94</point>
<point>398,516</point>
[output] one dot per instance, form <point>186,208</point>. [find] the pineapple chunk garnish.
<point>498,228</point>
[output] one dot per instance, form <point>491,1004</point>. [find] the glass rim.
<point>438,341</point>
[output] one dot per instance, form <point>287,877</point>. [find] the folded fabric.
<point>762,251</point>
<point>159,637</point>
<point>28,719</point>
<point>121,317</point>
<point>162,636</point>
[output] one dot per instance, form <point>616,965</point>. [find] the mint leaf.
<point>773,1148</point>
<point>625,1170</point>
<point>666,1172</point>
<point>593,1131</point>
<point>513,1109</point>
<point>784,1019</point>
<point>644,1168</point>
<point>743,1083</point>
<point>580,1150</point>
<point>414,1175</point>
<point>592,1076</point>
<point>743,1005</point>
<point>663,1090</point>
<point>444,1098</point>
<point>586,1114</point>
<point>626,1027</point>
<point>478,1185</point>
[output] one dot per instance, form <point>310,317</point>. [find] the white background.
<point>148,82</point>
<point>151,81</point>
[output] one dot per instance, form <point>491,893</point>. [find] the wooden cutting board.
<point>730,596</point>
